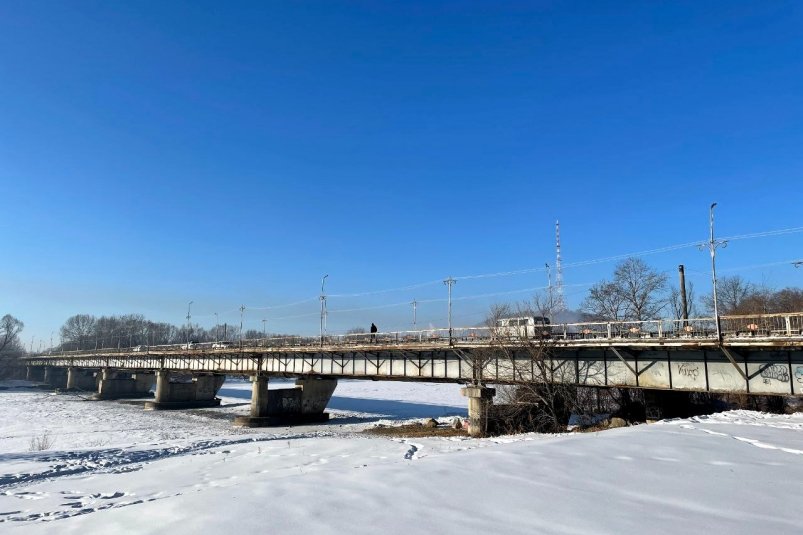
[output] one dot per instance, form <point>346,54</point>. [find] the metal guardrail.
<point>771,326</point>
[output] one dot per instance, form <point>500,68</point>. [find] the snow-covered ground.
<point>114,468</point>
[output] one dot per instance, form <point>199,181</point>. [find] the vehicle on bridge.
<point>222,345</point>
<point>524,327</point>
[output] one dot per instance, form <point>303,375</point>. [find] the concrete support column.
<point>259,396</point>
<point>305,403</point>
<point>55,377</point>
<point>480,399</point>
<point>34,373</point>
<point>162,392</point>
<point>79,379</point>
<point>315,394</point>
<point>114,384</point>
<point>200,392</point>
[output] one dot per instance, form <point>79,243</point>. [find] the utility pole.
<point>323,308</point>
<point>449,283</point>
<point>415,306</point>
<point>264,328</point>
<point>712,247</point>
<point>189,315</point>
<point>684,307</point>
<point>549,287</point>
<point>242,310</point>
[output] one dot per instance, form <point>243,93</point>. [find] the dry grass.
<point>415,430</point>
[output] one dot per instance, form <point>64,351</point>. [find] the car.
<point>222,345</point>
<point>189,345</point>
<point>138,349</point>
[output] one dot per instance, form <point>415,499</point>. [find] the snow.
<point>115,468</point>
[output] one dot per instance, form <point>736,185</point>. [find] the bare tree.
<point>642,289</point>
<point>676,304</point>
<point>605,301</point>
<point>78,330</point>
<point>536,394</point>
<point>10,347</point>
<point>10,327</point>
<point>636,293</point>
<point>731,294</point>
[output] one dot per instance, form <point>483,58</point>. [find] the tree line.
<point>638,292</point>
<point>85,331</point>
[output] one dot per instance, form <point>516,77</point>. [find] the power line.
<point>669,248</point>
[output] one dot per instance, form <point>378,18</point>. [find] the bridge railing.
<point>732,327</point>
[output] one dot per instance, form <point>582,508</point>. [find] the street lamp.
<point>217,324</point>
<point>189,315</point>
<point>415,310</point>
<point>242,310</point>
<point>449,283</point>
<point>712,247</point>
<point>323,307</point>
<point>264,328</point>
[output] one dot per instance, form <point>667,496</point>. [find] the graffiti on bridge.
<point>777,372</point>
<point>689,370</point>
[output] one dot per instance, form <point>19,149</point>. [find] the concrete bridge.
<point>753,355</point>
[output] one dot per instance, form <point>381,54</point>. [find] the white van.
<point>524,327</point>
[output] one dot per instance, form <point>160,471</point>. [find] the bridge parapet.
<point>769,329</point>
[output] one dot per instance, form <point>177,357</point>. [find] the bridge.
<point>756,354</point>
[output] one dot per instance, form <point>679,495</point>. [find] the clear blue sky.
<point>153,153</point>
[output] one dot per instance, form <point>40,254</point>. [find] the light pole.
<point>242,310</point>
<point>549,285</point>
<point>217,324</point>
<point>264,328</point>
<point>415,307</point>
<point>323,308</point>
<point>449,283</point>
<point>712,247</point>
<point>189,315</point>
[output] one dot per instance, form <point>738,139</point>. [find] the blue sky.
<point>155,153</point>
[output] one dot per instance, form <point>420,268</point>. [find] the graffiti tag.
<point>777,372</point>
<point>799,374</point>
<point>689,370</point>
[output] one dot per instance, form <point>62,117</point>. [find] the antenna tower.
<point>560,303</point>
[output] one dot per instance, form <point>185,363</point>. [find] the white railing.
<point>771,326</point>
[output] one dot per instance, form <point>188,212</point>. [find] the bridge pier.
<point>35,374</point>
<point>55,377</point>
<point>304,403</point>
<point>480,399</point>
<point>118,385</point>
<point>200,392</point>
<point>81,379</point>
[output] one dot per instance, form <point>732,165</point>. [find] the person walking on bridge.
<point>373,333</point>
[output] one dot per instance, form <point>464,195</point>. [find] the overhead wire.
<point>658,250</point>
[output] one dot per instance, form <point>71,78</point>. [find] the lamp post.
<point>242,310</point>
<point>264,328</point>
<point>449,283</point>
<point>189,315</point>
<point>217,324</point>
<point>712,247</point>
<point>323,308</point>
<point>415,310</point>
